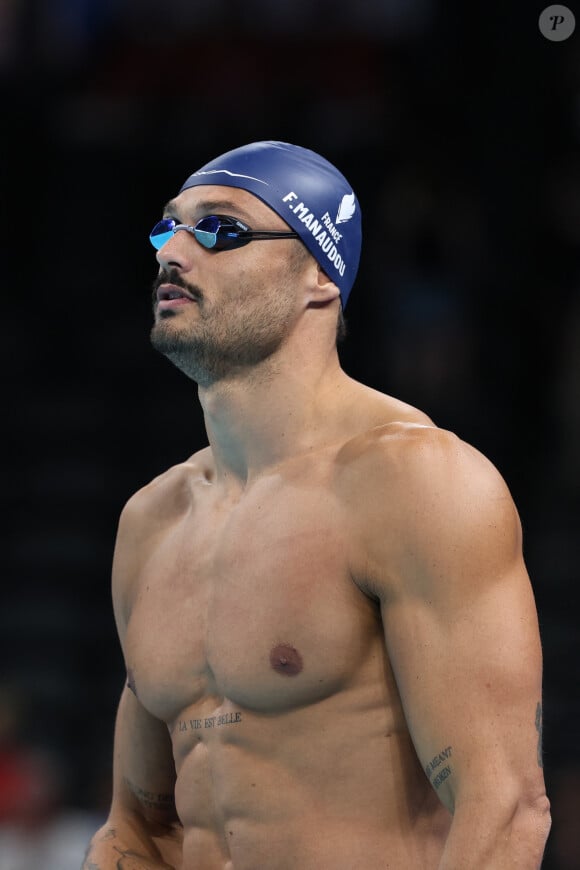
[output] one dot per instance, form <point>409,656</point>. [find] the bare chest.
<point>253,605</point>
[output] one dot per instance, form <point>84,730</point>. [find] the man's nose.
<point>178,251</point>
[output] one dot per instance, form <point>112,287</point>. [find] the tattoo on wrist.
<point>438,769</point>
<point>539,730</point>
<point>107,834</point>
<point>88,864</point>
<point>129,860</point>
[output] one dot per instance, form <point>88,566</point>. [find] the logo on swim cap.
<point>308,193</point>
<point>346,209</point>
<point>324,234</point>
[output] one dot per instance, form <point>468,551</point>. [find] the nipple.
<point>131,682</point>
<point>286,660</point>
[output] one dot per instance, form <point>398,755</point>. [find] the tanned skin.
<point>332,646</point>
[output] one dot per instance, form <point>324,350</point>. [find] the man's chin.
<point>166,339</point>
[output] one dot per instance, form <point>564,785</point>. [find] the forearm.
<point>127,847</point>
<point>484,839</point>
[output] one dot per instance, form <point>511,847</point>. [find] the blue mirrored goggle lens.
<point>206,231</point>
<point>220,233</point>
<point>161,233</point>
<point>211,232</point>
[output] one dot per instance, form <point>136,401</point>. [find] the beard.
<point>226,339</point>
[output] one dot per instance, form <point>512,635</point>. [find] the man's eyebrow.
<point>212,206</point>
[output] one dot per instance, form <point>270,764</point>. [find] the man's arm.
<point>462,634</point>
<point>142,830</point>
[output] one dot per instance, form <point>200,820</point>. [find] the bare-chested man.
<point>331,640</point>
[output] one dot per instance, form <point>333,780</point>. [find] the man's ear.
<point>323,289</point>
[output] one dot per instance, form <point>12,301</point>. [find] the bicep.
<point>462,634</point>
<point>143,766</point>
<point>469,676</point>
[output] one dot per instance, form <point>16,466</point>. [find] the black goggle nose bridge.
<point>214,232</point>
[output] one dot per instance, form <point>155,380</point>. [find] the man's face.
<point>236,306</point>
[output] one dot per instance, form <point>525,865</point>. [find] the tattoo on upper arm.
<point>539,730</point>
<point>152,800</point>
<point>439,767</point>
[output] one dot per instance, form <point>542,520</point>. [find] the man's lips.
<point>172,293</point>
<point>171,296</point>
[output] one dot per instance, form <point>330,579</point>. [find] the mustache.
<point>172,276</point>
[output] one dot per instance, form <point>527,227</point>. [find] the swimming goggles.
<point>216,232</point>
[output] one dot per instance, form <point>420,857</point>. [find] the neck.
<point>280,410</point>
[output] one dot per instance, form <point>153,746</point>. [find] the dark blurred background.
<point>458,126</point>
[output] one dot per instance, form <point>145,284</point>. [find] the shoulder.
<point>167,495</point>
<point>428,504</point>
<point>417,456</point>
<point>146,516</point>
<point>152,509</point>
<point>396,448</point>
<point>379,409</point>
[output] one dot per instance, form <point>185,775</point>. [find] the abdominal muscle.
<point>309,789</point>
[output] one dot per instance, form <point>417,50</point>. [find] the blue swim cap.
<point>307,191</point>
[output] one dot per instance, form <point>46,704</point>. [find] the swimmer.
<point>331,640</point>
